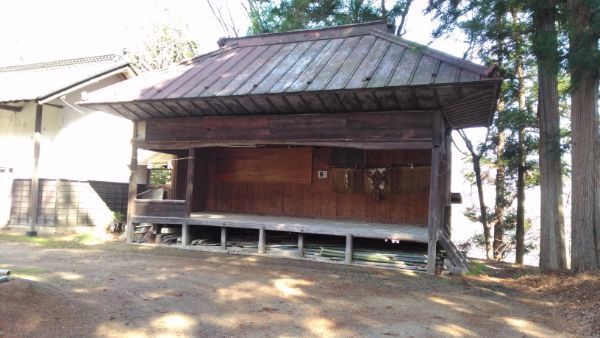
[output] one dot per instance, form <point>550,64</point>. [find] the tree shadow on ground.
<point>125,290</point>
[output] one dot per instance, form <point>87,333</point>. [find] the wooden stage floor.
<point>320,226</point>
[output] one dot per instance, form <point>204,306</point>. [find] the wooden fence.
<point>69,203</point>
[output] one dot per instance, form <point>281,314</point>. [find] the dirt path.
<point>118,290</point>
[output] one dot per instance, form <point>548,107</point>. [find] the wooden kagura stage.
<point>342,131</point>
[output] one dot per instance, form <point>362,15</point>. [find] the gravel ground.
<point>119,290</point>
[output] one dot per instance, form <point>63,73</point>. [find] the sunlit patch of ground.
<point>119,290</point>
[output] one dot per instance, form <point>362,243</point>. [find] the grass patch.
<point>30,273</point>
<point>478,269</point>
<point>51,242</point>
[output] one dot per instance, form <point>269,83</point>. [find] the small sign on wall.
<point>322,174</point>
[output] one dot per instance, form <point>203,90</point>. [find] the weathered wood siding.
<point>266,165</point>
<point>377,128</point>
<point>317,197</point>
<point>71,203</point>
<point>162,208</point>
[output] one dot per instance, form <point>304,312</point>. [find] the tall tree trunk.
<point>552,229</point>
<point>520,245</point>
<point>520,235</point>
<point>500,208</point>
<point>501,203</point>
<point>584,126</point>
<point>487,229</point>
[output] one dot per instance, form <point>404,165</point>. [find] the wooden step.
<point>456,256</point>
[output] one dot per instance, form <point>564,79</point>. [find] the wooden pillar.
<point>300,245</point>
<point>448,192</point>
<point>433,218</point>
<point>348,258</point>
<point>56,194</point>
<point>132,192</point>
<point>185,234</point>
<point>173,186</point>
<point>223,238</point>
<point>35,188</point>
<point>262,241</point>
<point>189,192</point>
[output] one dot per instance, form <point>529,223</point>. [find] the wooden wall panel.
<point>160,208</point>
<point>283,165</point>
<point>376,126</point>
<point>317,199</point>
<point>199,200</point>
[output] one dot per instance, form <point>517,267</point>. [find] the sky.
<point>37,31</point>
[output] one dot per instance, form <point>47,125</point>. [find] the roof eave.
<point>125,68</point>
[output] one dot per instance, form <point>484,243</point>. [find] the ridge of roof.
<point>322,33</point>
<point>376,28</point>
<point>62,63</point>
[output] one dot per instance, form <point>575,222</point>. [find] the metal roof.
<point>353,68</point>
<point>40,81</point>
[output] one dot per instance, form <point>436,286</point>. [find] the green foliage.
<point>118,217</point>
<point>478,269</point>
<point>164,45</point>
<point>286,15</point>
<point>584,55</point>
<point>510,236</point>
<point>159,174</point>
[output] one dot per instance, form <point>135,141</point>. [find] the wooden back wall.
<point>283,181</point>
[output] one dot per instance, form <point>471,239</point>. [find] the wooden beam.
<point>34,192</point>
<point>223,238</point>
<point>433,219</point>
<point>10,108</point>
<point>132,191</point>
<point>394,126</point>
<point>262,241</point>
<point>300,245</point>
<point>189,193</point>
<point>165,146</point>
<point>348,257</point>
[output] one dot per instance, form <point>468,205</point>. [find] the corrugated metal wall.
<point>70,203</point>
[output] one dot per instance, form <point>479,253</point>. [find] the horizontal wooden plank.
<point>169,146</point>
<point>159,208</point>
<point>353,127</point>
<point>403,232</point>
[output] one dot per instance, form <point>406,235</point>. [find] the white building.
<point>79,156</point>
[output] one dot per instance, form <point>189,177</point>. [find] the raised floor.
<point>319,226</point>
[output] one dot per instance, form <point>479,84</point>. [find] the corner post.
<point>132,192</point>
<point>435,198</point>
<point>35,188</point>
<point>448,187</point>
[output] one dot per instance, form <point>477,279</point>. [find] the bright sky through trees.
<point>34,31</point>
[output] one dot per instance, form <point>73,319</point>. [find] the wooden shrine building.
<point>342,131</point>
